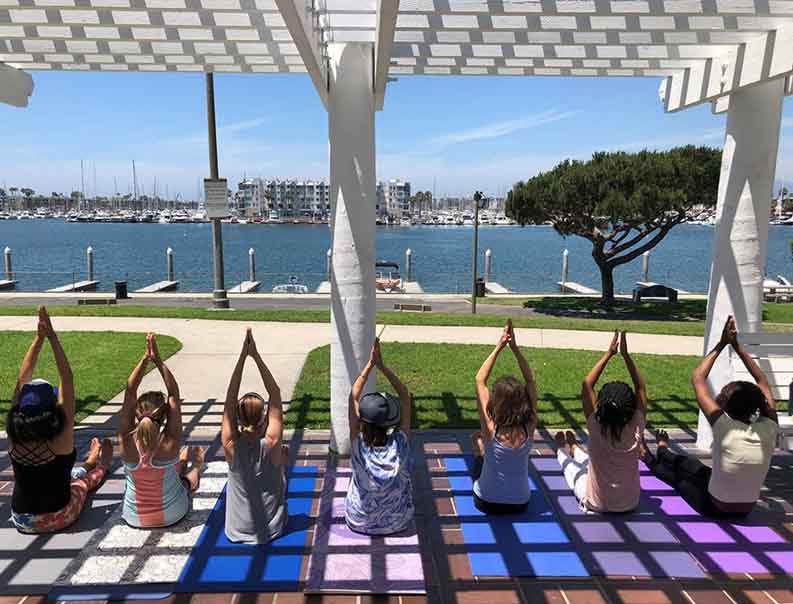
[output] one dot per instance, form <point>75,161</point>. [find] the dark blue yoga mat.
<point>218,566</point>
<point>530,544</point>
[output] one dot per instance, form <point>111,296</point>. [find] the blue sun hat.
<point>380,409</point>
<point>37,396</point>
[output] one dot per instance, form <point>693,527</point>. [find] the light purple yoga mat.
<point>665,537</point>
<point>343,561</point>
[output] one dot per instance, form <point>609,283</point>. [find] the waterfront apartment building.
<point>292,198</point>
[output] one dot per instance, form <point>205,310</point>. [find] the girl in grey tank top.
<point>508,418</point>
<point>252,433</point>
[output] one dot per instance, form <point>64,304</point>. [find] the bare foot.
<point>643,450</point>
<point>559,438</point>
<point>197,456</point>
<point>572,441</point>
<point>662,438</point>
<point>184,454</point>
<point>106,455</point>
<point>93,454</point>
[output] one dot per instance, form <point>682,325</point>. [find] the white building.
<point>396,196</point>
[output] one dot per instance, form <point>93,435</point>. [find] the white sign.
<point>216,197</point>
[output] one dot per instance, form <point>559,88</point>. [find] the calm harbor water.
<point>49,253</point>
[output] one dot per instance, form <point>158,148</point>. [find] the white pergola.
<point>735,54</point>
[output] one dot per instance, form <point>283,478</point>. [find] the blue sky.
<point>463,133</point>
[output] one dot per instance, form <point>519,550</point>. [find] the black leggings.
<point>488,507</point>
<point>689,477</point>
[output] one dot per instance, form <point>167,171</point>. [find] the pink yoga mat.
<point>344,561</point>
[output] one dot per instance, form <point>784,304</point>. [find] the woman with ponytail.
<point>159,480</point>
<point>252,433</point>
<point>606,478</point>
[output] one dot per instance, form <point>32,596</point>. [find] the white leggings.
<point>575,471</point>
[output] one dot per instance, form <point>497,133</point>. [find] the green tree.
<point>623,203</point>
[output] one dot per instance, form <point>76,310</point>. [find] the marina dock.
<point>78,286</point>
<point>408,287</point>
<point>160,286</point>
<point>491,287</point>
<point>7,284</point>
<point>571,287</point>
<point>246,287</point>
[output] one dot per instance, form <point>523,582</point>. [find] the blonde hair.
<point>150,416</point>
<point>251,413</point>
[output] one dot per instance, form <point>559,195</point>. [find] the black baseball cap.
<point>380,409</point>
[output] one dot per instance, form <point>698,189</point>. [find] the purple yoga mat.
<point>343,561</point>
<point>665,537</point>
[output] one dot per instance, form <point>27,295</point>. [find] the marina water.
<point>50,253</point>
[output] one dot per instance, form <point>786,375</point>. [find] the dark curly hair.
<point>42,426</point>
<point>741,400</point>
<point>615,408</point>
<point>509,405</point>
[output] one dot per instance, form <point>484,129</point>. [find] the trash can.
<point>121,290</point>
<point>480,288</point>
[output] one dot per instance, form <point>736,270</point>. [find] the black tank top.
<point>41,487</point>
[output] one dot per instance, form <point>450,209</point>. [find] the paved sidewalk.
<point>210,348</point>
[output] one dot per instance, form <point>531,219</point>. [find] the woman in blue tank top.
<point>508,418</point>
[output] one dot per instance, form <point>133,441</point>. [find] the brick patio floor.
<point>447,571</point>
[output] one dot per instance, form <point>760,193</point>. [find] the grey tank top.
<point>256,509</point>
<point>505,473</point>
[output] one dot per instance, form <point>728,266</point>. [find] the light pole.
<point>219,297</point>
<point>477,198</point>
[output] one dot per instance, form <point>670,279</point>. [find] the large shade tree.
<point>623,203</point>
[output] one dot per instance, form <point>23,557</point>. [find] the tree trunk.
<point>607,282</point>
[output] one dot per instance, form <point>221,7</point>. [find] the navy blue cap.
<point>380,409</point>
<point>37,397</point>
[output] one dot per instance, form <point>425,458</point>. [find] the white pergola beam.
<point>765,57</point>
<point>385,27</point>
<point>299,23</point>
<point>16,86</point>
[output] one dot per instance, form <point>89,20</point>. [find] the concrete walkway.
<point>210,348</point>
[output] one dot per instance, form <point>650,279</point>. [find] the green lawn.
<point>101,363</point>
<point>689,328</point>
<point>441,378</point>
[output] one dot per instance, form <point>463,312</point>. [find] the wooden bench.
<point>413,307</point>
<point>654,291</point>
<point>774,353</point>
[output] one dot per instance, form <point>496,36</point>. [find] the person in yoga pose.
<point>256,510</point>
<point>606,477</point>
<point>745,426</point>
<point>508,418</point>
<point>380,498</point>
<point>49,492</point>
<point>159,480</point>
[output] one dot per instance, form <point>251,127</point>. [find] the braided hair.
<point>616,406</point>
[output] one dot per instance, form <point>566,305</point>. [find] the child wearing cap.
<point>380,498</point>
<point>49,492</point>
<point>252,433</point>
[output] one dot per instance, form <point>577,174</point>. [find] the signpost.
<point>216,198</point>
<point>219,297</point>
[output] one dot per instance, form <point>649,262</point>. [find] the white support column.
<point>352,182</point>
<point>740,240</point>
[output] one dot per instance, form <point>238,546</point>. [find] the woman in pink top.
<point>606,479</point>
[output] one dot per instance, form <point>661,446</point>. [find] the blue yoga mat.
<point>218,566</point>
<point>530,544</point>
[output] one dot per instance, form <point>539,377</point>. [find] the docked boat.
<point>387,277</point>
<point>293,287</point>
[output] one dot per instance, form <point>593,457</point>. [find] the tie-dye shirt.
<point>380,498</point>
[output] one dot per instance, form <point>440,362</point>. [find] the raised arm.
<point>230,428</point>
<point>588,396</point>
<point>127,415</point>
<point>639,385</point>
<point>769,408</point>
<point>173,426</point>
<point>31,358</point>
<point>699,378</point>
<point>405,400</point>
<point>355,395</point>
<point>482,392</point>
<point>66,388</point>
<point>525,369</point>
<point>275,412</point>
